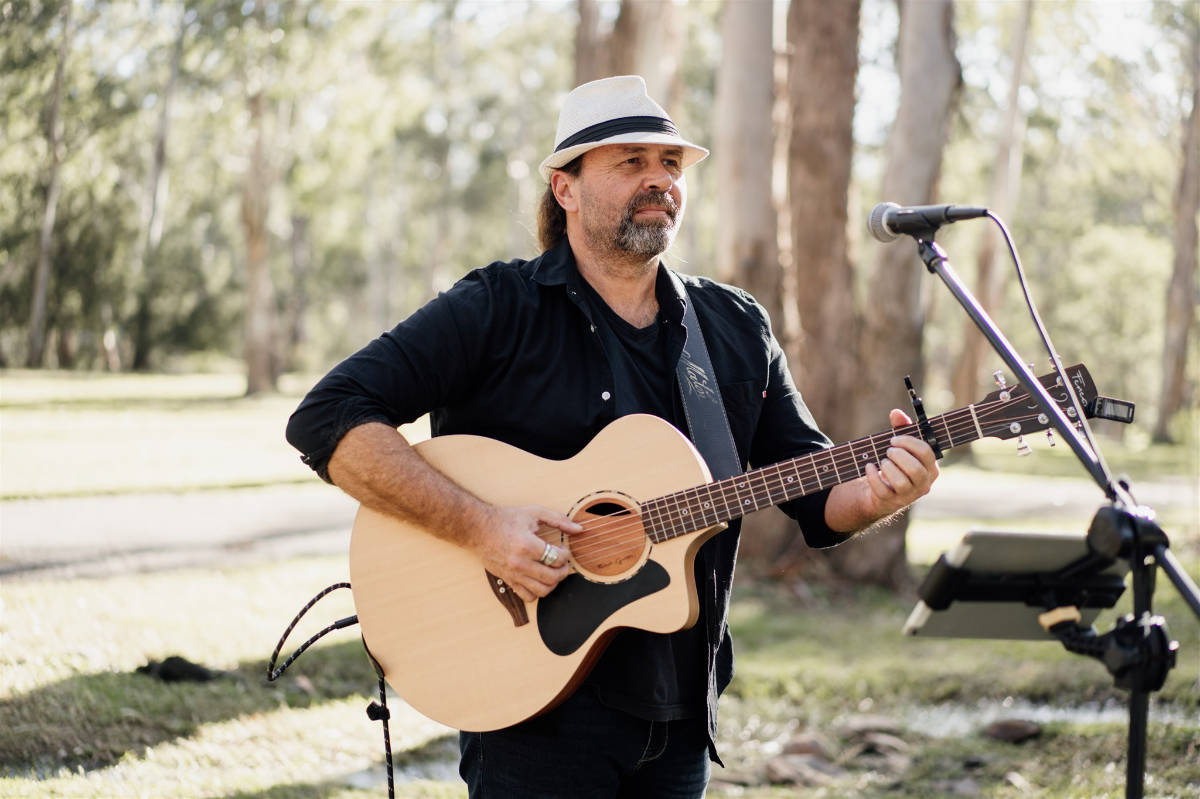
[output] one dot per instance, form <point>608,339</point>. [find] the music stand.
<point>996,584</point>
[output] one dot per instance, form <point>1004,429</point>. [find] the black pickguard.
<point>573,611</point>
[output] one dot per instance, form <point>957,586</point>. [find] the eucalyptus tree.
<point>1180,316</point>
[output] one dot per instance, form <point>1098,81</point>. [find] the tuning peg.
<point>999,378</point>
<point>1050,437</point>
<point>1023,448</point>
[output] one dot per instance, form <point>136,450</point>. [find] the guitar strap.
<point>702,405</point>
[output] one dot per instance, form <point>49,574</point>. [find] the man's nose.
<point>658,178</point>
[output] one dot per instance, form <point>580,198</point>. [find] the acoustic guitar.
<point>454,642</point>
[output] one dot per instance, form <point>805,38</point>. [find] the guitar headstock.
<point>1011,411</point>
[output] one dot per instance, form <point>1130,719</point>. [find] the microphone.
<point>889,221</point>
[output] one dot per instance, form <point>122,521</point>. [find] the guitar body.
<point>463,650</point>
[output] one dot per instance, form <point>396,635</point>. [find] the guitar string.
<point>771,485</point>
<point>839,458</point>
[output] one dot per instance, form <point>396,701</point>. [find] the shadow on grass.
<point>422,771</point>
<point>93,720</point>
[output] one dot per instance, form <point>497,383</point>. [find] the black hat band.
<point>615,127</point>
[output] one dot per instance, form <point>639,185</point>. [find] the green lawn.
<point>76,720</point>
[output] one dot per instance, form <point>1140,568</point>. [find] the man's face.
<point>632,197</point>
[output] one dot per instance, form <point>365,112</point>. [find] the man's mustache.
<point>653,199</point>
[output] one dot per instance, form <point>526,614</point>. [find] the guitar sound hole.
<point>613,539</point>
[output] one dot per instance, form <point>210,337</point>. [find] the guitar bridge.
<point>508,599</point>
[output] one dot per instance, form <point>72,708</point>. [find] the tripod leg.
<point>1135,767</point>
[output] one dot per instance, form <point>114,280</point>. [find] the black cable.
<point>378,711</point>
<point>1056,362</point>
<point>272,672</point>
<point>375,711</point>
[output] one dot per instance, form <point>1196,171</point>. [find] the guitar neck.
<point>703,506</point>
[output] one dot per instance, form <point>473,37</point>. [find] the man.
<point>542,355</point>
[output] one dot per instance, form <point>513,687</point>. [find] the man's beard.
<point>648,238</point>
<point>627,237</point>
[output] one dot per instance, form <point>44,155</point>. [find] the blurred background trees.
<point>266,184</point>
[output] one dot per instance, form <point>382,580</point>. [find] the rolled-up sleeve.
<point>419,365</point>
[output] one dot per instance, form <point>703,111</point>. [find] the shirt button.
<point>606,396</point>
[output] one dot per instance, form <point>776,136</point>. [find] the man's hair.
<point>551,218</point>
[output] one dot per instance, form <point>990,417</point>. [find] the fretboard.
<point>703,506</point>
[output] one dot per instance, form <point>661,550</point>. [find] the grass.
<point>76,720</point>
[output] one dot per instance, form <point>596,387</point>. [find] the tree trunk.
<point>1181,293</point>
<point>54,137</point>
<point>823,37</point>
<point>297,332</point>
<point>647,40</point>
<point>260,291</point>
<point>590,54</point>
<point>1002,194</point>
<point>144,270</point>
<point>747,246</point>
<point>894,323</point>
<point>817,277</point>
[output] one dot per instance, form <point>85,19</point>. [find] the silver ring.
<point>549,556</point>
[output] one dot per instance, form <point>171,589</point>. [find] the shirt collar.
<point>556,267</point>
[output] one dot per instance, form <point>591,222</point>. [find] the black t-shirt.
<point>649,675</point>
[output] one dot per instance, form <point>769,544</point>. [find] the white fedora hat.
<point>613,111</point>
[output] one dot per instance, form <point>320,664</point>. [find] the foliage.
<point>404,139</point>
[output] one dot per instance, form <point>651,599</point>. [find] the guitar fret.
<point>831,468</point>
<point>692,510</point>
<point>949,438</point>
<point>854,458</point>
<point>652,521</point>
<point>786,482</point>
<point>666,522</point>
<point>816,473</point>
<point>877,441</point>
<point>765,492</point>
<point>740,485</point>
<point>708,510</point>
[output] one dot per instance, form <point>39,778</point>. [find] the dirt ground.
<point>106,534</point>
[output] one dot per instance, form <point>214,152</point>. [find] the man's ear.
<point>563,186</point>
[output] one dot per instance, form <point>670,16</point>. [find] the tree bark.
<point>823,38</point>
<point>747,238</point>
<point>54,137</point>
<point>890,346</point>
<point>1181,293</point>
<point>590,55</point>
<point>297,312</point>
<point>647,40</point>
<point>1002,195</point>
<point>817,278</point>
<point>260,290</point>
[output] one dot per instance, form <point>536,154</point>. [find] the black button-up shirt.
<point>512,352</point>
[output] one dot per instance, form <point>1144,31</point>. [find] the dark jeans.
<point>585,750</point>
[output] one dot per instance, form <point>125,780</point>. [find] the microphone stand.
<point>1138,652</point>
